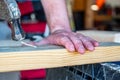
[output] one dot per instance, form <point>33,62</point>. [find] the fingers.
<point>77,44</point>
<point>94,42</point>
<point>65,41</point>
<point>42,42</point>
<point>87,43</point>
<point>71,41</point>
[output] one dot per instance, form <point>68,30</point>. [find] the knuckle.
<point>80,37</point>
<point>77,41</point>
<point>85,40</point>
<point>79,34</point>
<point>64,38</point>
<point>89,38</point>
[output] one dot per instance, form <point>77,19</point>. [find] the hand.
<point>70,40</point>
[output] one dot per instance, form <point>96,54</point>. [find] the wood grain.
<point>25,58</point>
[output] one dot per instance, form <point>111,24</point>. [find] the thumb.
<point>31,43</point>
<point>42,42</point>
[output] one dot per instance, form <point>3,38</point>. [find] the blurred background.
<point>83,14</point>
<point>97,14</point>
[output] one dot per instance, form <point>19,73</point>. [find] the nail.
<point>81,50</point>
<point>91,48</point>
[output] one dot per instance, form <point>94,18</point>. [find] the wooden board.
<point>102,36</point>
<point>25,58</point>
<point>11,43</point>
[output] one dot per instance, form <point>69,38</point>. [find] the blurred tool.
<point>9,12</point>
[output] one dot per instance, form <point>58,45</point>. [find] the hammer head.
<point>10,12</point>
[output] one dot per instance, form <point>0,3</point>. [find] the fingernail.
<point>96,44</point>
<point>91,48</point>
<point>81,50</point>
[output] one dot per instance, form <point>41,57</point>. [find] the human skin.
<point>61,34</point>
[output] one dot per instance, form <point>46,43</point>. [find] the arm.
<point>56,14</point>
<point>61,33</point>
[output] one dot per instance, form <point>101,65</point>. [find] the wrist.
<point>57,28</point>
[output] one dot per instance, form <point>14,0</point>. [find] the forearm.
<point>56,14</point>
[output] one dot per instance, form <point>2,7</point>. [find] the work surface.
<point>17,58</point>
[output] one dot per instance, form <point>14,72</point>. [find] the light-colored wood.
<point>40,58</point>
<point>102,36</point>
<point>10,43</point>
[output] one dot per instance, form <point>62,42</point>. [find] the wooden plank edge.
<point>25,60</point>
